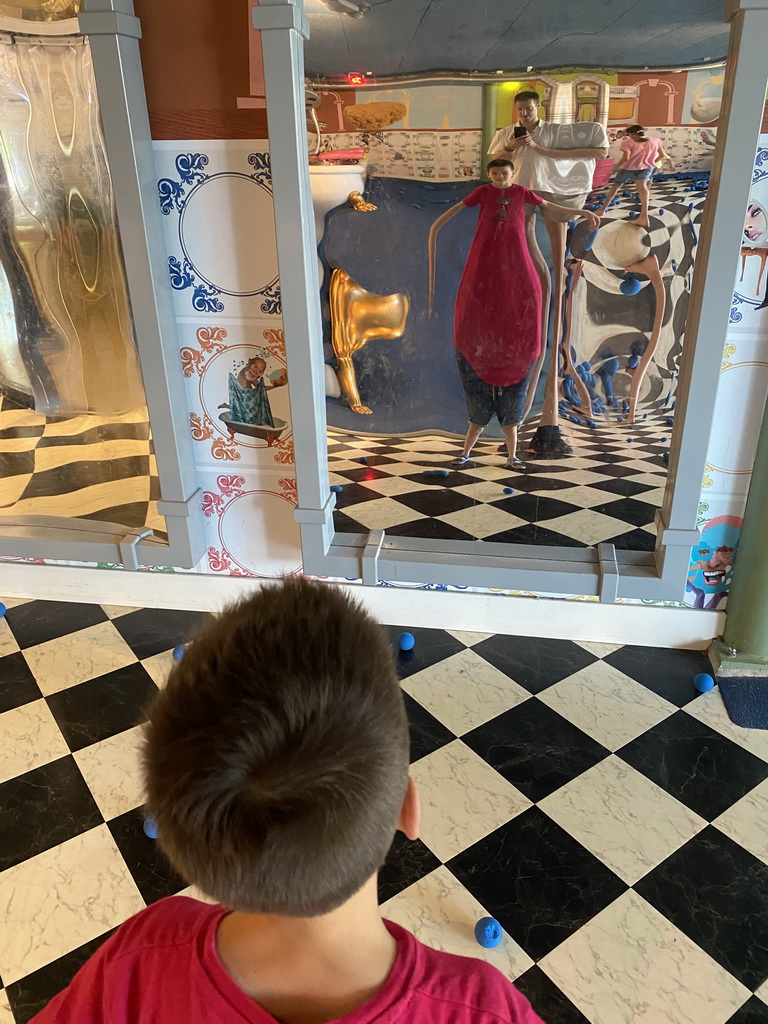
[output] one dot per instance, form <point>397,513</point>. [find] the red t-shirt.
<point>161,967</point>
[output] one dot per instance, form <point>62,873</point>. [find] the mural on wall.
<point>712,561</point>
<point>751,291</point>
<point>241,400</point>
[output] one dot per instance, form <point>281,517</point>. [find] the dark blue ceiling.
<point>411,36</point>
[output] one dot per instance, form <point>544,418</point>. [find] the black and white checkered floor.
<point>608,490</point>
<point>615,823</point>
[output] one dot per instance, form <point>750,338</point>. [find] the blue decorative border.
<point>174,195</point>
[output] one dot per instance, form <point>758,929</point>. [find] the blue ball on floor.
<point>703,682</point>
<point>665,456</point>
<point>589,241</point>
<point>669,421</point>
<point>364,460</point>
<point>435,472</point>
<point>629,439</point>
<point>3,609</point>
<point>488,932</point>
<point>150,828</point>
<point>406,641</point>
<point>178,652</point>
<point>629,287</point>
<point>336,488</point>
<point>664,440</point>
<point>509,490</point>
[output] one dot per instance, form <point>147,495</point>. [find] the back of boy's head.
<point>276,757</point>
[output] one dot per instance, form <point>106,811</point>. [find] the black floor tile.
<point>628,510</point>
<point>536,880</point>
<point>29,995</point>
<point>455,477</point>
<point>17,684</point>
<point>615,469</point>
<point>634,540</point>
<point>432,529</point>
<point>717,893</point>
<point>534,507</point>
<point>618,486</point>
<point>354,494</point>
<point>435,501</point>
<point>667,672</point>
<point>39,621</point>
<point>360,474</point>
<point>43,808</point>
<point>534,662</point>
<point>431,646</point>
<point>754,1011</point>
<point>535,749</point>
<point>524,482</point>
<point>531,533</point>
<point>407,862</point>
<point>151,631</point>
<point>104,706</point>
<point>427,734</point>
<point>153,875</point>
<point>552,1005</point>
<point>698,766</point>
<point>343,524</point>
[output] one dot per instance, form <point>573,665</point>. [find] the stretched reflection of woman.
<point>497,318</point>
<point>640,156</point>
<point>248,399</point>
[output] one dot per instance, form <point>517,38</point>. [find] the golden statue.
<point>357,202</point>
<point>358,316</point>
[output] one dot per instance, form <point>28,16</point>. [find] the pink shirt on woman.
<point>161,967</point>
<point>642,155</point>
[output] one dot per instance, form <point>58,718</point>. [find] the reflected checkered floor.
<point>608,490</point>
<point>613,821</point>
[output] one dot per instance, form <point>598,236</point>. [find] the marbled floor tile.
<point>426,733</point>
<point>17,684</point>
<point>6,1016</point>
<point>382,513</point>
<point>36,622</point>
<point>54,902</point>
<point>710,709</point>
<point>114,611</point>
<point>667,672</point>
<point>8,642</point>
<point>42,808</point>
<point>14,602</point>
<point>762,992</point>
<point>482,520</point>
<point>717,893</point>
<point>151,872</point>
<point>534,748</point>
<point>468,638</point>
<point>462,799</point>
<point>464,691</point>
<point>441,913</point>
<point>698,766</point>
<point>608,705</point>
<point>533,662</point>
<point>598,649</point>
<point>159,667</point>
<point>629,965</point>
<point>408,861</point>
<point>94,710</point>
<point>431,646</point>
<point>150,631</point>
<point>622,817</point>
<point>82,655</point>
<point>552,1005</point>
<point>746,821</point>
<point>34,991</point>
<point>30,738</point>
<point>754,1011</point>
<point>536,880</point>
<point>589,526</point>
<point>112,769</point>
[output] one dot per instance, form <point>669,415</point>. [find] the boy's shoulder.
<point>172,921</point>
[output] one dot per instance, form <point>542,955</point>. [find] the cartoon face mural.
<point>711,568</point>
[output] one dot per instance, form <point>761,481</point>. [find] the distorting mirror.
<point>395,144</point>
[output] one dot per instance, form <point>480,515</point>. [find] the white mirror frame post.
<point>603,570</point>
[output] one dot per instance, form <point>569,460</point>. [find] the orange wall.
<point>195,61</point>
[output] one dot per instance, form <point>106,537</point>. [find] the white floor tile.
<point>746,822</point>
<point>8,643</point>
<point>622,817</point>
<point>462,799</point>
<point>606,704</point>
<point>6,1016</point>
<point>599,650</point>
<point>465,637</point>
<point>710,709</point>
<point>629,965</point>
<point>72,659</point>
<point>586,525</point>
<point>112,770</point>
<point>464,691</point>
<point>482,520</point>
<point>381,513</point>
<point>30,737</point>
<point>53,903</point>
<point>159,667</point>
<point>442,914</point>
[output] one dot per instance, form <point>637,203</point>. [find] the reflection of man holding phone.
<point>557,162</point>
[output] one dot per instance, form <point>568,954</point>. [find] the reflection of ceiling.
<point>411,36</point>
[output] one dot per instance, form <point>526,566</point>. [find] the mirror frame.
<point>601,571</point>
<point>114,32</point>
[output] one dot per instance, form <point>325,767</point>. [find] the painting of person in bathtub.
<point>249,411</point>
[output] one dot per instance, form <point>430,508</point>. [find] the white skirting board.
<point>644,625</point>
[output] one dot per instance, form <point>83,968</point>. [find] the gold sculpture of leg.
<point>358,316</point>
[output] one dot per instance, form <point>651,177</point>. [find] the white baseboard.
<point>644,625</point>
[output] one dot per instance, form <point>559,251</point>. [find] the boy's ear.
<point>409,822</point>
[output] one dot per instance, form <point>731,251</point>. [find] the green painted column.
<point>490,111</point>
<point>744,650</point>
